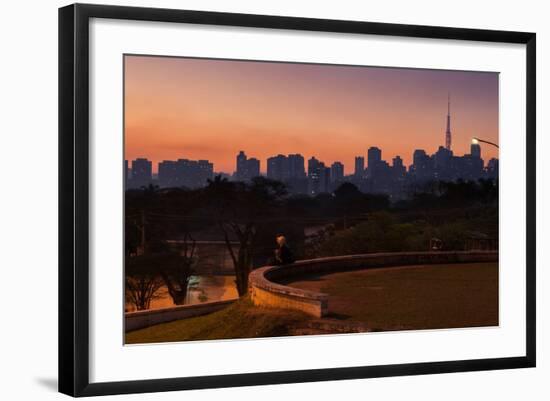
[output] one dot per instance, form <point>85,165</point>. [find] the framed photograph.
<point>251,199</point>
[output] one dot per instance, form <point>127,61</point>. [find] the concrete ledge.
<point>141,319</point>
<point>266,292</point>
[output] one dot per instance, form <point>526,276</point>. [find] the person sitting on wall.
<point>283,254</point>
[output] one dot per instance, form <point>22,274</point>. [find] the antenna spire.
<point>448,131</point>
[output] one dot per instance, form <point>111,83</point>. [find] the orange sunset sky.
<point>178,108</point>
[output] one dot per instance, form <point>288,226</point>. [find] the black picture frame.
<point>74,198</point>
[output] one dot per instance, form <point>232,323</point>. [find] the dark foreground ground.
<point>412,297</point>
<point>397,298</point>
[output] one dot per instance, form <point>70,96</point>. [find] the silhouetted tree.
<point>131,236</point>
<point>142,281</point>
<point>177,269</point>
<point>239,208</point>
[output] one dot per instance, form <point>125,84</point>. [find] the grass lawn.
<point>412,297</point>
<point>239,320</point>
<point>391,298</point>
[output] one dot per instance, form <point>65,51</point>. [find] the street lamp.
<point>475,141</point>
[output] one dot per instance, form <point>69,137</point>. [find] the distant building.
<point>241,166</point>
<point>336,172</point>
<point>443,164</point>
<point>278,168</point>
<point>252,168</point>
<point>318,177</point>
<point>246,168</point>
<point>142,173</point>
<point>184,173</point>
<point>359,166</point>
<point>325,179</point>
<point>313,167</point>
<point>398,178</point>
<point>492,168</point>
<point>374,156</point>
<point>422,167</point>
<point>398,168</point>
<point>290,170</point>
<point>205,172</point>
<point>472,165</point>
<point>296,167</point>
<point>126,174</point>
<point>475,150</point>
<point>168,174</point>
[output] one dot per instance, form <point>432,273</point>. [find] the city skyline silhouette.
<point>349,169</point>
<point>211,109</point>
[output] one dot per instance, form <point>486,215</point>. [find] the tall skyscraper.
<point>422,167</point>
<point>318,176</point>
<point>442,157</point>
<point>185,173</point>
<point>252,168</point>
<point>398,178</point>
<point>325,179</point>
<point>374,156</point>
<point>472,164</point>
<point>448,131</point>
<point>443,164</point>
<point>475,150</point>
<point>296,166</point>
<point>419,156</point>
<point>398,168</point>
<point>313,167</point>
<point>359,166</point>
<point>336,172</point>
<point>240,172</point>
<point>492,168</point>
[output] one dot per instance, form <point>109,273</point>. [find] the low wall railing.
<point>265,291</point>
<point>142,319</point>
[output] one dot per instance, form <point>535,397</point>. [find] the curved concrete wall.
<point>141,319</point>
<point>266,292</point>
